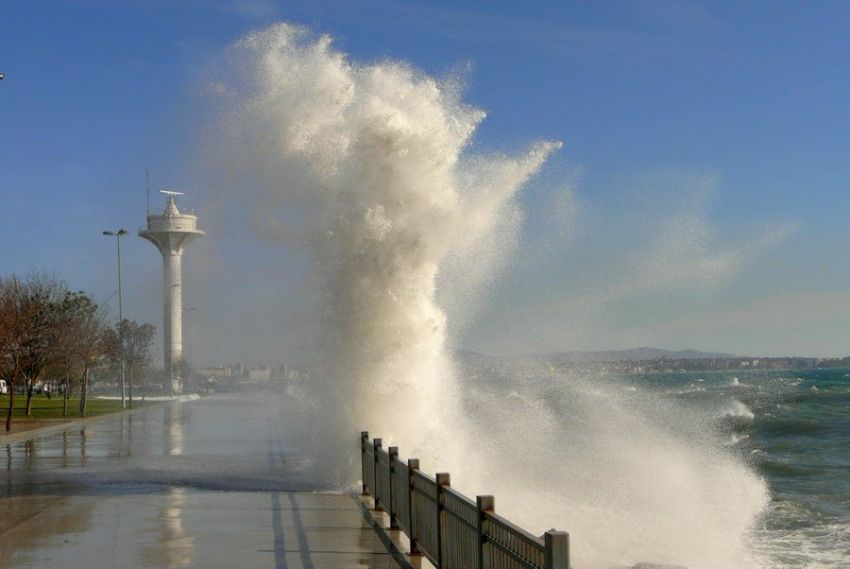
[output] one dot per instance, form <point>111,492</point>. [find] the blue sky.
<point>702,190</point>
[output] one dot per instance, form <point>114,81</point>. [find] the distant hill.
<point>638,354</point>
<point>634,354</point>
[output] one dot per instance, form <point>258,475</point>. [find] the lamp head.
<point>108,233</point>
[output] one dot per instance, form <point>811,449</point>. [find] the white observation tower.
<point>171,231</point>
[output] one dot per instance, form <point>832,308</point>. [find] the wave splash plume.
<point>371,159</point>
<point>369,168</point>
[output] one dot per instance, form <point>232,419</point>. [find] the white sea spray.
<point>376,161</point>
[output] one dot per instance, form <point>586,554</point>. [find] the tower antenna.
<point>148,189</point>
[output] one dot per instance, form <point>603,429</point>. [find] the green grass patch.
<point>44,408</point>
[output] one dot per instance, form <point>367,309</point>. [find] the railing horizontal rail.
<point>514,530</point>
<point>445,526</point>
<point>512,546</point>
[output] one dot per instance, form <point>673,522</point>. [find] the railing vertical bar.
<point>376,493</point>
<point>443,479</point>
<point>364,440</point>
<point>393,454</point>
<point>412,467</point>
<point>484,504</point>
<point>557,549</point>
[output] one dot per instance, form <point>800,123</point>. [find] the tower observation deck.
<point>171,231</point>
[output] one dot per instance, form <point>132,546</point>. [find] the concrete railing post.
<point>557,549</point>
<point>364,440</point>
<point>393,452</point>
<point>379,506</point>
<point>443,480</point>
<point>485,504</point>
<point>412,467</point>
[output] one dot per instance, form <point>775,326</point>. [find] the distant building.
<point>260,373</point>
<point>223,371</point>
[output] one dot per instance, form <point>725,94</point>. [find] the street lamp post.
<point>118,234</point>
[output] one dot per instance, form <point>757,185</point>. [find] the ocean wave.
<point>784,469</point>
<point>819,546</point>
<point>692,388</point>
<point>788,425</point>
<point>791,515</point>
<point>735,410</point>
<point>736,438</point>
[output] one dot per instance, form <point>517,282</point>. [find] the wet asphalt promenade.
<point>208,483</point>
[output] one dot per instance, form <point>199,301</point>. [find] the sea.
<point>699,469</point>
<point>793,428</point>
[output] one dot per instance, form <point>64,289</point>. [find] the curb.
<point>75,423</point>
<point>383,533</point>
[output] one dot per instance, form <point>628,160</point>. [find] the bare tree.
<point>134,340</point>
<point>89,349</point>
<point>28,331</point>
<point>187,373</point>
<point>10,335</point>
<point>44,326</point>
<point>77,328</point>
<point>39,303</point>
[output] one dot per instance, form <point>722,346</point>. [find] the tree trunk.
<point>30,387</point>
<point>66,395</point>
<point>11,406</point>
<point>84,391</point>
<point>130,374</point>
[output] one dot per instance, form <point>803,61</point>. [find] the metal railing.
<point>445,526</point>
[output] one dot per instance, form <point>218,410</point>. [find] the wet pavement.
<point>208,483</point>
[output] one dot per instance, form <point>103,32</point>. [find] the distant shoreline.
<point>647,360</point>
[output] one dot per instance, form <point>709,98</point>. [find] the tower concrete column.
<point>172,318</point>
<point>171,231</point>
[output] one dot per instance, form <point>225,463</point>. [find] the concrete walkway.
<point>185,528</point>
<point>181,486</point>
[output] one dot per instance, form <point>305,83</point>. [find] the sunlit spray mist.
<point>368,167</point>
<point>370,157</point>
<point>633,477</point>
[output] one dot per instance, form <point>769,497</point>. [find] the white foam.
<point>735,409</point>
